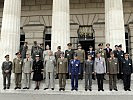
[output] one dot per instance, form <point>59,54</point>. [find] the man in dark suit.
<point>108,50</point>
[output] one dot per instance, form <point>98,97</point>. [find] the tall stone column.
<point>10,31</point>
<point>60,24</point>
<point>114,23</point>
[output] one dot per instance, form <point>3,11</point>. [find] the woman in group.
<point>37,71</point>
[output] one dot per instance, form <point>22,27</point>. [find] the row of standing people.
<point>80,57</point>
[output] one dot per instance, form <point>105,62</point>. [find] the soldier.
<point>37,70</point>
<point>74,71</point>
<point>41,48</point>
<point>88,71</point>
<point>112,70</point>
<point>62,69</point>
<point>69,54</point>
<point>34,47</point>
<point>108,50</point>
<point>6,71</point>
<point>23,50</point>
<point>126,71</point>
<point>81,56</point>
<point>17,70</point>
<point>57,54</point>
<point>50,63</point>
<point>91,52</point>
<point>115,51</point>
<point>27,70</point>
<point>120,55</point>
<point>101,50</point>
<point>100,70</point>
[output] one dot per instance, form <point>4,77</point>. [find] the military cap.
<point>6,56</point>
<point>120,46</point>
<point>107,44</point>
<point>90,47</point>
<point>18,53</point>
<point>37,55</point>
<point>101,44</point>
<point>59,47</point>
<point>126,53</point>
<point>116,45</point>
<point>69,44</point>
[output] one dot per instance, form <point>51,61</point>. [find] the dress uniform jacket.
<point>112,66</point>
<point>23,51</point>
<point>89,67</point>
<point>108,50</point>
<point>6,65</point>
<point>27,65</point>
<point>74,67</point>
<point>120,55</point>
<point>100,65</point>
<point>92,53</point>
<point>57,54</point>
<point>37,69</point>
<point>17,65</point>
<point>103,53</point>
<point>127,66</point>
<point>81,55</point>
<point>50,63</point>
<point>62,65</point>
<point>69,54</point>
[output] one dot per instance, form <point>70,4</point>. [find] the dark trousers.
<point>81,73</point>
<point>6,76</point>
<point>119,76</point>
<point>100,78</point>
<point>18,78</point>
<point>62,80</point>
<point>74,81</point>
<point>88,77</point>
<point>126,81</point>
<point>112,81</point>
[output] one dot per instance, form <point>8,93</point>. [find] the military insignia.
<point>115,63</point>
<point>76,64</point>
<point>20,63</point>
<point>129,64</point>
<point>61,63</point>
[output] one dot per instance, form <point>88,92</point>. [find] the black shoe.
<point>110,89</point>
<point>98,89</point>
<point>16,88</point>
<point>129,89</point>
<point>72,89</point>
<point>85,89</point>
<point>8,87</point>
<point>60,89</point>
<point>19,87</point>
<point>90,89</point>
<point>28,88</point>
<point>115,89</point>
<point>102,89</point>
<point>35,88</point>
<point>125,89</point>
<point>52,88</point>
<point>25,88</point>
<point>4,88</point>
<point>45,88</point>
<point>76,89</point>
<point>63,89</point>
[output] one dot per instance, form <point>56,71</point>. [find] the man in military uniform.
<point>108,50</point>
<point>112,70</point>
<point>74,71</point>
<point>17,70</point>
<point>81,56</point>
<point>120,55</point>
<point>62,69</point>
<point>58,52</point>
<point>126,71</point>
<point>6,71</point>
<point>23,50</point>
<point>41,48</point>
<point>115,51</point>
<point>69,54</point>
<point>91,52</point>
<point>100,70</point>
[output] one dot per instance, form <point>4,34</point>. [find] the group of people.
<point>71,64</point>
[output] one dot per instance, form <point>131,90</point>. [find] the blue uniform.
<point>74,70</point>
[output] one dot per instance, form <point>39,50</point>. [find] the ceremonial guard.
<point>112,71</point>
<point>69,54</point>
<point>120,56</point>
<point>50,63</point>
<point>37,70</point>
<point>108,50</point>
<point>23,50</point>
<point>17,70</point>
<point>27,70</point>
<point>100,70</point>
<point>88,71</point>
<point>74,71</point>
<point>6,71</point>
<point>62,70</point>
<point>81,56</point>
<point>126,71</point>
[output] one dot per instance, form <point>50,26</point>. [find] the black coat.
<point>108,52</point>
<point>127,66</point>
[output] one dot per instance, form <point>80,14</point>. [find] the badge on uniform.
<point>20,63</point>
<point>76,64</point>
<point>61,63</point>
<point>129,64</point>
<point>68,54</point>
<point>102,53</point>
<point>115,63</point>
<point>101,62</point>
<point>122,55</point>
<point>51,60</point>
